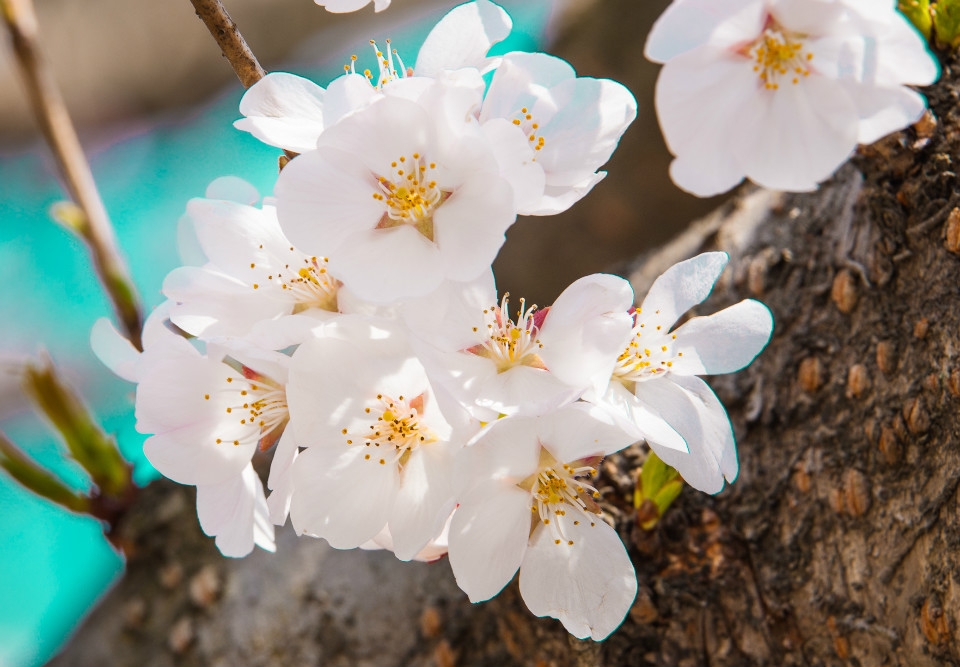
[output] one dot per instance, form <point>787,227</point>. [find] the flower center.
<point>255,405</point>
<point>778,54</point>
<point>385,64</point>
<point>649,353</point>
<point>395,432</point>
<point>511,343</point>
<point>557,489</point>
<point>411,194</point>
<point>525,121</point>
<point>306,280</point>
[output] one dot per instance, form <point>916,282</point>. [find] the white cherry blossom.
<point>655,393</point>
<point>254,280</point>
<point>379,441</point>
<point>572,123</point>
<point>781,91</point>
<point>572,565</point>
<point>528,361</point>
<point>208,414</point>
<point>290,112</point>
<point>401,195</point>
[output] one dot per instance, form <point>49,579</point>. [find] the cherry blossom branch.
<point>231,42</point>
<point>234,47</point>
<point>88,217</point>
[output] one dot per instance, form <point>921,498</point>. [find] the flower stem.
<point>90,219</point>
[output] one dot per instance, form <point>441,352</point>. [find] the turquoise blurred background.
<point>55,565</point>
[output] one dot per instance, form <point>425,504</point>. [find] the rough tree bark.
<point>836,546</point>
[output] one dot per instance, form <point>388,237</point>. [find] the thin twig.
<point>231,42</point>
<point>91,221</point>
<point>234,47</point>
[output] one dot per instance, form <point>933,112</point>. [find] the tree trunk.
<point>836,546</point>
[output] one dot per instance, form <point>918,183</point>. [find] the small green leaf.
<point>657,487</point>
<point>93,449</point>
<point>37,479</point>
<point>946,22</point>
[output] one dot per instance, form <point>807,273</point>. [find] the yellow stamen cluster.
<point>557,490</point>
<point>778,54</point>
<point>385,63</point>
<point>410,193</point>
<point>524,120</point>
<point>650,351</point>
<point>257,405</point>
<point>307,281</point>
<point>396,431</point>
<point>510,343</point>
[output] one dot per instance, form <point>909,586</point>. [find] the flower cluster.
<point>781,91</point>
<point>350,324</point>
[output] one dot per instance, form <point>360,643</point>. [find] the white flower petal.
<point>463,37</point>
<point>689,24</point>
<point>589,585</point>
<point>885,110</point>
<point>488,537</point>
<point>340,496</point>
<point>113,350</point>
<point>683,286</point>
<point>234,512</point>
<point>581,430</point>
<point>283,110</point>
<point>802,133</point>
<point>586,328</point>
<point>723,342</point>
<point>691,407</point>
<point>424,500</point>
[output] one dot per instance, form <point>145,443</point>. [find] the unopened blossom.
<point>572,123</point>
<point>529,504</point>
<point>344,6</point>
<point>379,440</point>
<point>401,195</point>
<point>208,414</point>
<point>654,391</point>
<point>290,112</point>
<point>781,91</point>
<point>253,279</point>
<point>513,358</point>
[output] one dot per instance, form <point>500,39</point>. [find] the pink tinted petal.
<point>488,537</point>
<point>589,585</point>
<point>346,94</point>
<point>234,512</point>
<point>341,496</point>
<point>424,501</point>
<point>385,265</point>
<point>113,350</point>
<point>885,110</point>
<point>325,196</point>
<point>723,342</point>
<point>689,24</point>
<point>469,227</point>
<point>462,38</point>
<point>190,455</point>
<point>802,133</point>
<point>280,480</point>
<point>682,286</point>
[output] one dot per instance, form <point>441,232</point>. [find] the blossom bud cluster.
<point>350,324</point>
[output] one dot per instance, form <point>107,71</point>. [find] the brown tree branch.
<point>90,220</point>
<point>234,47</point>
<point>231,42</point>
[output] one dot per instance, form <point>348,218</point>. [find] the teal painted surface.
<point>53,565</point>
